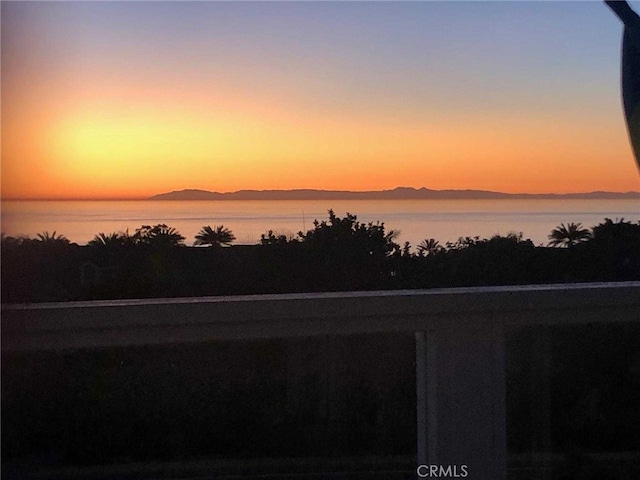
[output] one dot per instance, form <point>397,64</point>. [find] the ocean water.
<point>444,220</point>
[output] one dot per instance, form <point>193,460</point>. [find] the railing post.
<point>461,407</point>
<point>421,397</point>
<point>426,381</point>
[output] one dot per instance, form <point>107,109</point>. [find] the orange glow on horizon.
<point>113,150</point>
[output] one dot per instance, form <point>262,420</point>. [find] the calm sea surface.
<point>444,220</point>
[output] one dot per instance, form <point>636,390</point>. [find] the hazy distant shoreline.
<point>400,193</point>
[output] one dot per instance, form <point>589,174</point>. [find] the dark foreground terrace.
<point>531,382</point>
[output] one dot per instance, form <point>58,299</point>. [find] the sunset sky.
<point>130,99</point>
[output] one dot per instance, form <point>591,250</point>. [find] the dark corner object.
<point>630,70</point>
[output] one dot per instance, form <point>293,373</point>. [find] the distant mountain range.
<point>399,193</point>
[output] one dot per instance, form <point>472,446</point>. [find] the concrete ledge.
<point>176,320</point>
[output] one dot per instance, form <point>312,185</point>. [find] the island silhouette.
<point>399,193</point>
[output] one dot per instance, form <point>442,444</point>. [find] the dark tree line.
<point>337,254</point>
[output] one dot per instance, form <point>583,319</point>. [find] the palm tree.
<point>52,238</point>
<point>568,235</point>
<point>107,240</point>
<point>216,236</point>
<point>159,235</point>
<point>429,246</point>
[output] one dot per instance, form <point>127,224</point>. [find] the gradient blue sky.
<point>127,99</point>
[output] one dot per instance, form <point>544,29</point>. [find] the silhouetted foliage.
<point>613,252</point>
<point>215,237</point>
<point>429,246</point>
<point>336,254</point>
<point>568,235</point>
<point>159,235</point>
<point>39,269</point>
<point>618,231</point>
<point>462,243</point>
<point>367,238</point>
<point>270,238</point>
<point>110,241</point>
<point>9,242</point>
<point>500,260</point>
<point>52,238</point>
<point>345,253</point>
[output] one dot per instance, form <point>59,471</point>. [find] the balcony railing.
<point>459,342</point>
